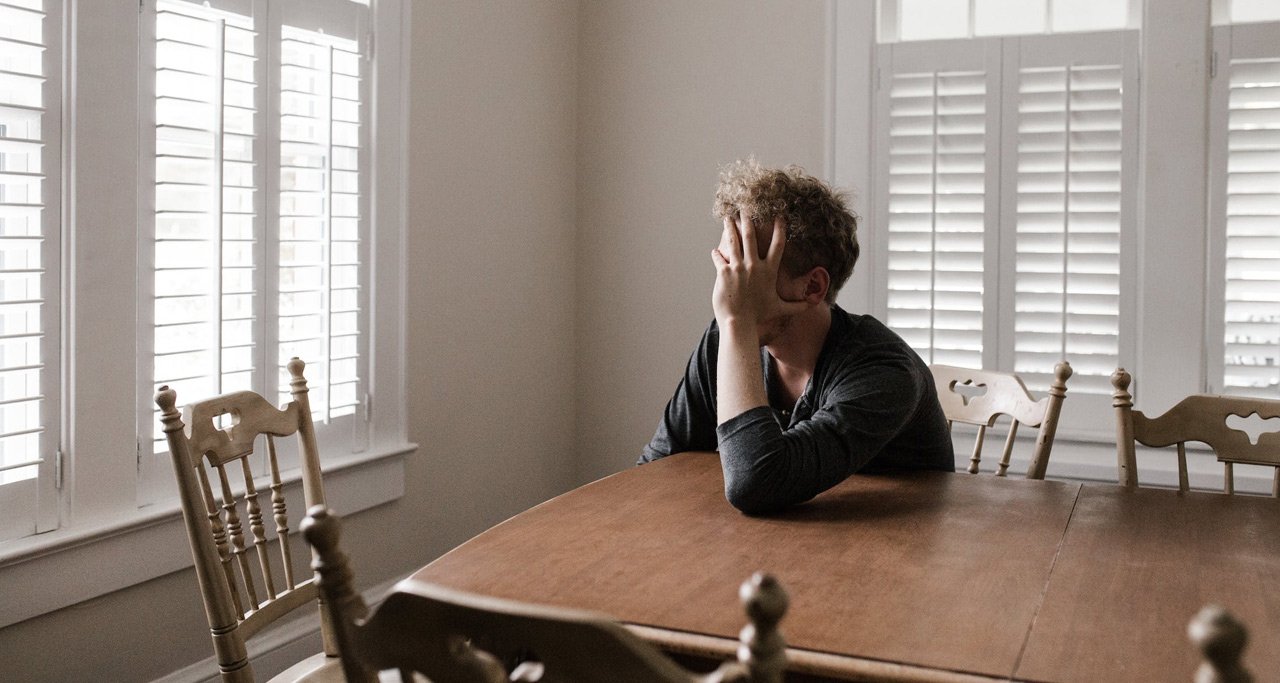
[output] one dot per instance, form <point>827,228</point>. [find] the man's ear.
<point>817,282</point>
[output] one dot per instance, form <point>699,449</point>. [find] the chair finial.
<point>170,416</point>
<point>1120,379</point>
<point>762,649</point>
<point>1061,373</point>
<point>1221,639</point>
<point>295,367</point>
<point>322,529</point>
<point>166,398</point>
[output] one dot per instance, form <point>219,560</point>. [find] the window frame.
<point>103,521</point>
<point>1000,58</point>
<point>345,20</point>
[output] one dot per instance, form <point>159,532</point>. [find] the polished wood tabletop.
<point>917,576</point>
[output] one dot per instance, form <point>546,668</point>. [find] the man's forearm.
<point>739,377</point>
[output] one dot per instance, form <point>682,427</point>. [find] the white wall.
<point>668,91</point>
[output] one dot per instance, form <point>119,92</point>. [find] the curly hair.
<point>821,230</point>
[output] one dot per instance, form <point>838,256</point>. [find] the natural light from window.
<point>940,19</point>
<point>24,220</point>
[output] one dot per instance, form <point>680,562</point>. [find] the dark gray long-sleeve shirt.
<point>870,406</point>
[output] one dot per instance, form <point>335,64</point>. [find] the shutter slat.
<point>319,184</point>
<point>205,119</point>
<point>1067,208</point>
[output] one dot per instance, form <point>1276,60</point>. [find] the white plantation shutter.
<point>936,158</point>
<point>261,158</point>
<point>1070,145</point>
<point>29,219</point>
<point>30,57</point>
<point>206,226</point>
<point>321,217</point>
<point>1245,204</point>
<point>1006,196</point>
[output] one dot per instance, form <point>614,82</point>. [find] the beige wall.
<point>562,160</point>
<point>490,299</point>
<point>667,92</point>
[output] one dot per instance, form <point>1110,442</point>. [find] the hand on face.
<point>747,280</point>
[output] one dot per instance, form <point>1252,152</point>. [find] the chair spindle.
<point>281,514</point>
<point>977,450</point>
<point>237,538</point>
<point>1008,449</point>
<point>256,528</point>
<point>1183,483</point>
<point>214,512</point>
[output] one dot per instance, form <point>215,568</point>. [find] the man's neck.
<point>795,351</point>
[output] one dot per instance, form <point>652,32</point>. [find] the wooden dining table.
<point>924,576</point>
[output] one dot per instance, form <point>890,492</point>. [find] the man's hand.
<point>746,283</point>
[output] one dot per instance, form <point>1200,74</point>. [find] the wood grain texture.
<point>1136,565</point>
<point>935,569</point>
<point>226,529</point>
<point>1202,418</point>
<point>980,397</point>
<point>449,635</point>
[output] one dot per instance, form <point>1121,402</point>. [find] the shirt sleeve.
<point>689,421</point>
<point>767,468</point>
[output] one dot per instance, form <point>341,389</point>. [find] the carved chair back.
<point>245,582</point>
<point>448,635</point>
<point>980,397</point>
<point>1200,417</point>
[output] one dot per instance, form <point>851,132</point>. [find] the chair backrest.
<point>980,397</point>
<point>447,635</point>
<point>243,590</point>
<point>1200,417</point>
<point>1221,640</point>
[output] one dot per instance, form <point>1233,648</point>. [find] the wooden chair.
<point>1221,640</point>
<point>1200,417</point>
<point>228,570</point>
<point>455,637</point>
<point>980,397</point>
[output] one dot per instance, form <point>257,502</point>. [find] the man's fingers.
<point>748,233</point>
<point>718,259</point>
<point>779,241</point>
<point>730,242</point>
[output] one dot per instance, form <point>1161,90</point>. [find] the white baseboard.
<point>275,649</point>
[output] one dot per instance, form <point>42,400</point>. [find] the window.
<point>909,20</point>
<point>188,198</point>
<point>261,220</point>
<point>1008,168</point>
<point>30,256</point>
<point>1244,205</point>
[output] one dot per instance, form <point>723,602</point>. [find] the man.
<point>795,393</point>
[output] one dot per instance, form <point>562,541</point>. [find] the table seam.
<point>1062,542</point>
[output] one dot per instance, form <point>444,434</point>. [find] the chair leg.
<point>1183,484</point>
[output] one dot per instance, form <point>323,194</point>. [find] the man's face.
<point>789,288</point>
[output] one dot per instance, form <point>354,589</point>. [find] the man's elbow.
<point>752,496</point>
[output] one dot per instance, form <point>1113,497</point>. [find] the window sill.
<point>153,542</point>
